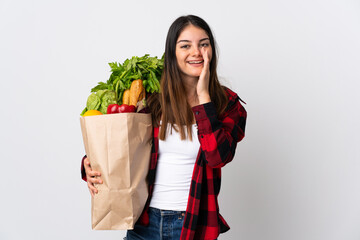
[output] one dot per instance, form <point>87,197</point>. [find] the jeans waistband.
<point>162,212</point>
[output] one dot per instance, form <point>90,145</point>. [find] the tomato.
<point>123,108</point>
<point>126,108</point>
<point>113,108</point>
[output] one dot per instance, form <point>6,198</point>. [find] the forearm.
<point>219,137</point>
<point>83,174</point>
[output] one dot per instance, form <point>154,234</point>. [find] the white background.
<point>296,64</point>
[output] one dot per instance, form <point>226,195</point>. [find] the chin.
<point>191,74</point>
<point>195,73</point>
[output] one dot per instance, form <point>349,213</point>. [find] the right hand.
<point>93,177</point>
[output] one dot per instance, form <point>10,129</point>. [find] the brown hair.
<point>170,105</point>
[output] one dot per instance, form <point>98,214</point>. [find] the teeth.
<point>195,61</point>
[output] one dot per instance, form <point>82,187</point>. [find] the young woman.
<point>197,125</point>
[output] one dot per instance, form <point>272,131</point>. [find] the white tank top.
<point>174,170</point>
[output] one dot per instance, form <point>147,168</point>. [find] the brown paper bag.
<point>118,146</point>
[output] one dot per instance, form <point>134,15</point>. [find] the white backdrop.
<point>296,63</point>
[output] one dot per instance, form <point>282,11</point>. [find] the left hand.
<point>202,88</point>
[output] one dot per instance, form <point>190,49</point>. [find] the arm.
<point>83,173</point>
<point>219,137</point>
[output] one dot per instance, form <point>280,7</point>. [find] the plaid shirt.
<point>218,138</point>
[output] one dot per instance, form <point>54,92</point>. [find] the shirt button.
<point>197,112</point>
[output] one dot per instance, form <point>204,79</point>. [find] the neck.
<point>190,88</point>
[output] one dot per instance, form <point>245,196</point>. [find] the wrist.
<point>204,98</point>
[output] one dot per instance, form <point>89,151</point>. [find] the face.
<point>188,51</point>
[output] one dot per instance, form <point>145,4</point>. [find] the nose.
<point>196,51</point>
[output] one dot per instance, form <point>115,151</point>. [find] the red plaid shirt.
<point>218,138</point>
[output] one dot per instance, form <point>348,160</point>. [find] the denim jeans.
<point>163,225</point>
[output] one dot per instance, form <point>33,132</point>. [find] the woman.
<point>197,125</point>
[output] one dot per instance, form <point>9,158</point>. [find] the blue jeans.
<point>163,225</point>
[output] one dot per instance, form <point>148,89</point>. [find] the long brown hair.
<point>170,105</point>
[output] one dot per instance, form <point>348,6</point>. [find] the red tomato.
<point>126,108</point>
<point>113,108</point>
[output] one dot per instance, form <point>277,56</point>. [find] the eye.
<point>204,44</point>
<point>185,46</point>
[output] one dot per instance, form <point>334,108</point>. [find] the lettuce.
<point>100,101</point>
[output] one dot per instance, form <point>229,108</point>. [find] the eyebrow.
<point>203,39</point>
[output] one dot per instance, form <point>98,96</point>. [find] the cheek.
<point>179,62</point>
<point>179,54</point>
<point>181,58</point>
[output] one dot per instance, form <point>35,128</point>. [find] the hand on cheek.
<point>203,83</point>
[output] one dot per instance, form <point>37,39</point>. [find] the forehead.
<point>192,33</point>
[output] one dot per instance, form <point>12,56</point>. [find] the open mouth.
<point>196,62</point>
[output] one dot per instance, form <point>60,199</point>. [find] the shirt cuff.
<point>203,114</point>
<point>204,111</point>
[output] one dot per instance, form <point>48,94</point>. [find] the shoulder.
<point>232,96</point>
<point>234,108</point>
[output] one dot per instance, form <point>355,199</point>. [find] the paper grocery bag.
<point>118,146</point>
